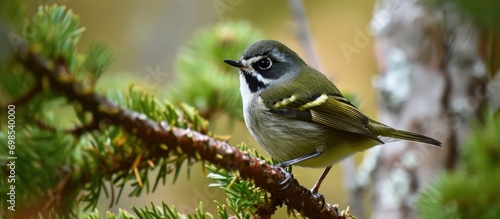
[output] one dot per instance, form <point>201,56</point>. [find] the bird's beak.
<point>234,63</point>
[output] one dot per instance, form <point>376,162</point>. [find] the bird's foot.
<point>288,178</point>
<point>319,198</point>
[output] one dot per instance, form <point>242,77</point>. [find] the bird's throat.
<point>253,83</point>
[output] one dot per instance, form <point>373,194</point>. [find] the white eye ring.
<point>264,63</point>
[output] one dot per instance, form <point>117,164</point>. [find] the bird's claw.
<point>319,198</point>
<point>288,179</point>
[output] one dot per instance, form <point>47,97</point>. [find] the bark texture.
<point>432,81</point>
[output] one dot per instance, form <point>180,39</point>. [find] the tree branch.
<point>37,88</point>
<point>194,144</point>
<point>303,31</point>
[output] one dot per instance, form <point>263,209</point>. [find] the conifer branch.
<point>37,88</point>
<point>183,141</point>
<point>79,130</point>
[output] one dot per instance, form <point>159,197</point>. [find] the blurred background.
<point>433,63</point>
<point>146,37</point>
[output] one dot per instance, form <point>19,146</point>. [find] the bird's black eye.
<point>264,63</point>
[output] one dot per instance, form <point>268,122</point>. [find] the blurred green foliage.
<point>243,197</point>
<point>54,32</point>
<point>12,13</point>
<point>471,191</point>
<point>11,16</point>
<point>203,80</point>
<point>97,58</point>
<point>61,144</point>
<point>163,211</point>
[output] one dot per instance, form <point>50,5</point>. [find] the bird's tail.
<point>389,134</point>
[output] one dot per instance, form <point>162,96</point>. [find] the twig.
<point>43,125</point>
<point>28,95</point>
<point>79,130</point>
<point>303,32</point>
<point>194,144</point>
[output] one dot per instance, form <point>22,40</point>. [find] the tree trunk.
<point>432,78</point>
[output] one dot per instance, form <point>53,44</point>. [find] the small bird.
<point>299,116</point>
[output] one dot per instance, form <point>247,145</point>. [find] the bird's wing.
<point>331,110</point>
